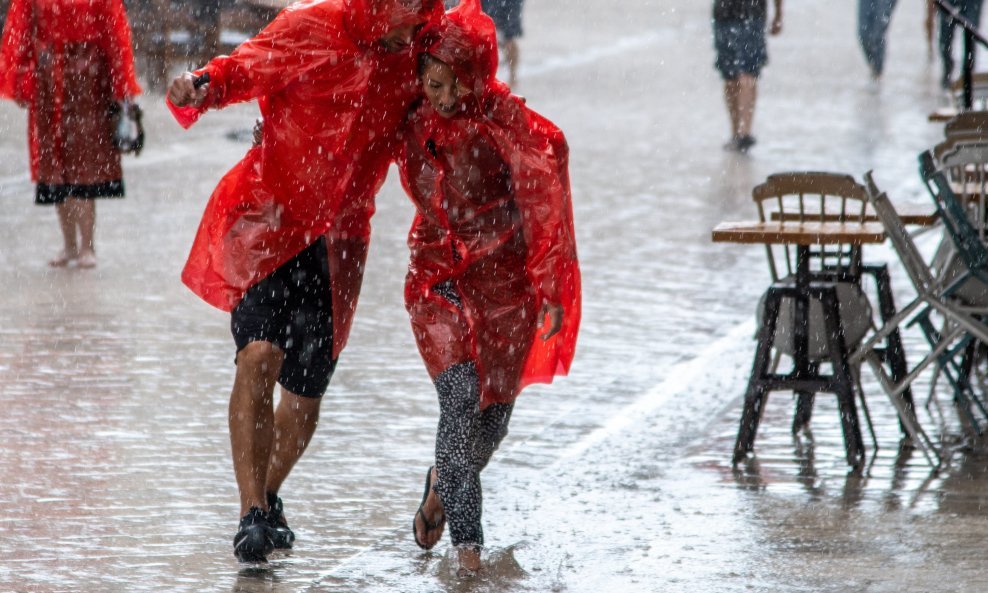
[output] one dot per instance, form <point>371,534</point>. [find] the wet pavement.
<point>114,467</point>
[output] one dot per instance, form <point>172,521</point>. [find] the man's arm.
<point>292,44</point>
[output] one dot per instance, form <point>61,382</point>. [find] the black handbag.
<point>128,127</point>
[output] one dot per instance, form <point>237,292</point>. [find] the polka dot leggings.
<point>465,441</point>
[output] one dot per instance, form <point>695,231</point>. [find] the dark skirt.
<point>72,123</point>
<point>46,193</point>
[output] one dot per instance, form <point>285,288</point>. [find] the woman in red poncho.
<point>69,62</point>
<point>493,258</point>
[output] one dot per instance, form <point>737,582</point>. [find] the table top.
<point>798,233</point>
<point>914,215</point>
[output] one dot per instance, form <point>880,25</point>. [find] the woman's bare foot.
<point>87,259</point>
<point>430,520</point>
<point>63,258</point>
<point>469,559</point>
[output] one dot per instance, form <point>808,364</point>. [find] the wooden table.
<point>805,378</point>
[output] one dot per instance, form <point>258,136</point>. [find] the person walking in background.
<point>874,17</point>
<point>506,15</point>
<point>970,10</point>
<point>69,63</point>
<point>284,237</point>
<point>493,287</point>
<point>739,38</point>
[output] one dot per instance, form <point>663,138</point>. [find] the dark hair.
<point>425,59</point>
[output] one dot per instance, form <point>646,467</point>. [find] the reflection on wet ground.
<point>115,472</point>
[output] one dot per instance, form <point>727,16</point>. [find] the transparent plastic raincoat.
<point>332,99</point>
<point>494,220</point>
<point>68,58</point>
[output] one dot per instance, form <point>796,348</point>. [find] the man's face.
<point>400,37</point>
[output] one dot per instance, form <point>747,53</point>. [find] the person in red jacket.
<point>493,287</point>
<point>284,237</point>
<point>69,62</point>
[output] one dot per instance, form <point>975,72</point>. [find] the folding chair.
<point>965,277</point>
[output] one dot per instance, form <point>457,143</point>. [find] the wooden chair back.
<point>806,196</point>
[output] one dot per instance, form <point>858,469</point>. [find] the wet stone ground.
<point>114,463</point>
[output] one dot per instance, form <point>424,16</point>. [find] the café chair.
<point>831,300</point>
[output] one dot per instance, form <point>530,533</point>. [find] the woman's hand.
<point>258,131</point>
<point>555,313</point>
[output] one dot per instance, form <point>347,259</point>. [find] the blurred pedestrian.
<point>970,10</point>
<point>70,63</point>
<point>506,15</point>
<point>507,18</point>
<point>739,38</point>
<point>284,237</point>
<point>493,288</point>
<point>874,17</point>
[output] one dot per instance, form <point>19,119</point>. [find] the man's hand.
<point>555,313</point>
<point>776,27</point>
<point>182,91</point>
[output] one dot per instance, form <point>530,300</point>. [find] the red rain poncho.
<point>494,218</point>
<point>332,100</point>
<point>82,43</point>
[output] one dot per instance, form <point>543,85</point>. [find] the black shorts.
<point>506,15</point>
<point>293,309</point>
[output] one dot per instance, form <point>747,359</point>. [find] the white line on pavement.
<point>681,377</point>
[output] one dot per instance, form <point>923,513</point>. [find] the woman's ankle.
<point>468,557</point>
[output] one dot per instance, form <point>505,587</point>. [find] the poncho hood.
<point>466,40</point>
<point>369,20</point>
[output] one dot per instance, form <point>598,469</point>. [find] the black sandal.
<point>428,526</point>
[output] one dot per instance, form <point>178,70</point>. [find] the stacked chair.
<point>951,303</point>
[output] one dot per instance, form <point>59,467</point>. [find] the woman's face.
<point>441,88</point>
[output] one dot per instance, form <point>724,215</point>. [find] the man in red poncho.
<point>284,237</point>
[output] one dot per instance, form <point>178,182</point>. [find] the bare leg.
<point>252,420</point>
<point>747,93</point>
<point>66,222</point>
<point>511,54</point>
<point>85,218</point>
<point>731,92</point>
<point>295,422</point>
<point>469,559</point>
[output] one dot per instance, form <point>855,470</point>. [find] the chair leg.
<point>894,352</point>
<point>804,410</point>
<point>756,394</point>
<point>843,381</point>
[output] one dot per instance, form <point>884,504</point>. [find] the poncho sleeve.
<point>538,157</point>
<point>296,42</point>
<point>17,53</point>
<point>116,44</point>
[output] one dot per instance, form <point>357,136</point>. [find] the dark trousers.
<point>969,9</point>
<point>465,441</point>
<point>874,17</point>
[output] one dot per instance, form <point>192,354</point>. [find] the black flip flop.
<point>428,526</point>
